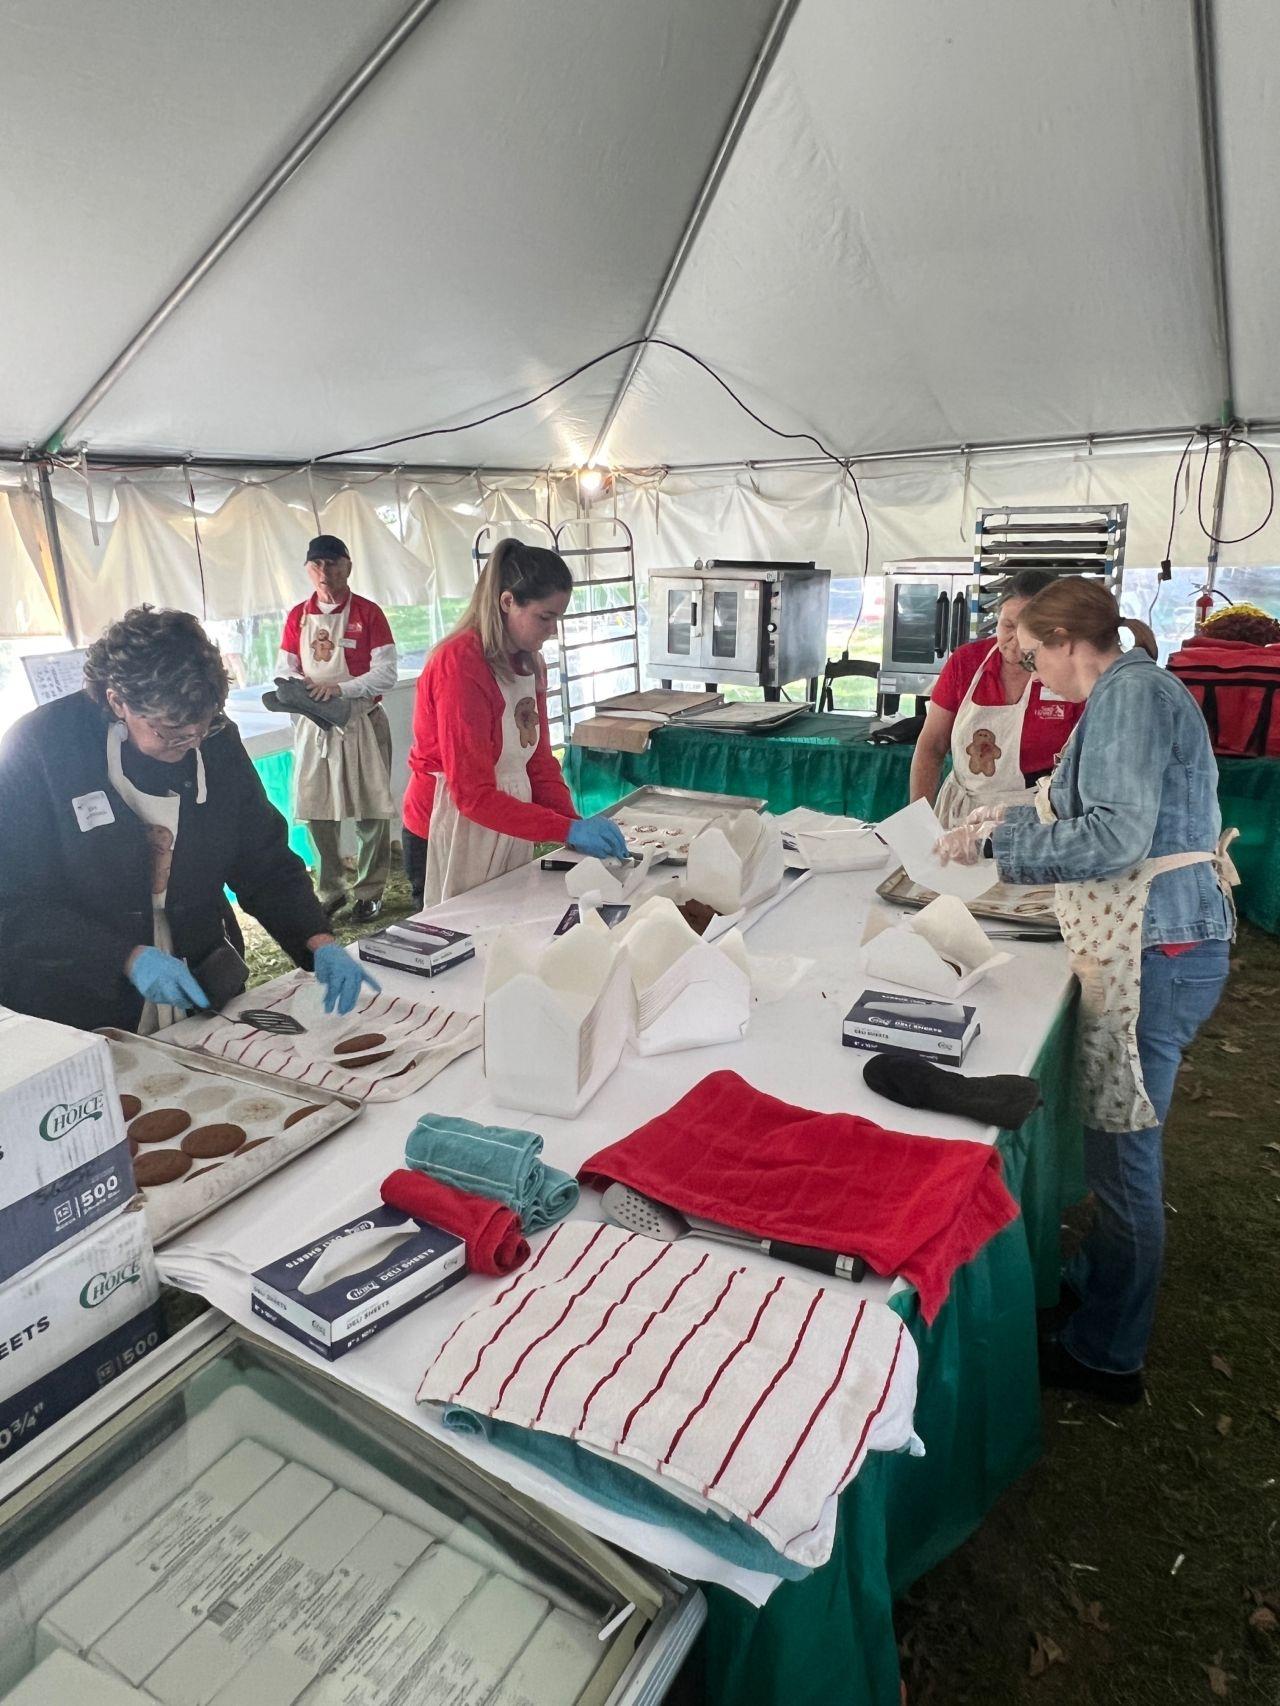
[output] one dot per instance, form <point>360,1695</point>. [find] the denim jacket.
<point>1137,780</point>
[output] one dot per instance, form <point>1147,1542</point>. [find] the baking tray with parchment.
<point>1015,905</point>
<point>225,1126</point>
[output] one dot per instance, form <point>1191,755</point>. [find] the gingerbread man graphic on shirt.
<point>526,715</point>
<point>982,752</point>
<point>322,645</point>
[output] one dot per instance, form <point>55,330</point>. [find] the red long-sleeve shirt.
<point>457,734</point>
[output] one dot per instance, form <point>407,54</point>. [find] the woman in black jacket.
<point>124,810</point>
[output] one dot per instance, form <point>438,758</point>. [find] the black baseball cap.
<point>326,548</point>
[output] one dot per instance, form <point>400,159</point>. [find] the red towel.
<point>915,1206</point>
<point>495,1239</point>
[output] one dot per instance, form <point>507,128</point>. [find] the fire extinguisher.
<point>1204,604</point>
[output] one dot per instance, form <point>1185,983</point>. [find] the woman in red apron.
<point>1129,832</point>
<point>1001,728</point>
<point>484,784</point>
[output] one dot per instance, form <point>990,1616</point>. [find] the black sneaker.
<point>338,904</point>
<point>1051,1321</point>
<point>365,911</point>
<point>1059,1369</point>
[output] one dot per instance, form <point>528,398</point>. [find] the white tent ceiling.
<point>944,222</point>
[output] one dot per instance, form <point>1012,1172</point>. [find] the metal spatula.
<point>271,1019</point>
<point>635,1212</point>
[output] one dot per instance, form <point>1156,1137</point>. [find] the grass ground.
<point>1137,1564</point>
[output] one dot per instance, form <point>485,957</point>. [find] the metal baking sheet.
<point>745,718</point>
<point>899,890</point>
<point>684,802</point>
<point>342,1110</point>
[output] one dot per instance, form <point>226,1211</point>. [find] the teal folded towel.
<point>618,1489</point>
<point>493,1161</point>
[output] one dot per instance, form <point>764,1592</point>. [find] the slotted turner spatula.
<point>636,1212</point>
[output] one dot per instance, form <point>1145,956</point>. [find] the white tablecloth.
<point>793,1050</point>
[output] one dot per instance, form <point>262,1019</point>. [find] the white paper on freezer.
<point>913,833</point>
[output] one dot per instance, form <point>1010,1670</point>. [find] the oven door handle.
<point>959,621</point>
<point>694,629</point>
<point>940,612</point>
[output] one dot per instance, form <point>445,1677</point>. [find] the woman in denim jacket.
<point>1128,828</point>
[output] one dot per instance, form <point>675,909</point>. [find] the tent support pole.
<point>1204,31</point>
<point>1219,505</point>
<point>59,563</point>
<point>275,180</point>
<point>706,195</point>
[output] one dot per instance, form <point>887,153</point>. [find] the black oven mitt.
<point>1004,1100</point>
<point>291,695</point>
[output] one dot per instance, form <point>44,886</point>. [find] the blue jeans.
<point>1117,1272</point>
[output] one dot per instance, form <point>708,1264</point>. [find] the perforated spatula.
<point>635,1212</point>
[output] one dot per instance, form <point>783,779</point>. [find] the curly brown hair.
<point>161,663</point>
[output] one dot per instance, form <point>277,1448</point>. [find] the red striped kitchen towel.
<point>915,1206</point>
<point>757,1391</point>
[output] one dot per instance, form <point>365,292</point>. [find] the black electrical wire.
<point>585,367</point>
<point>1221,539</point>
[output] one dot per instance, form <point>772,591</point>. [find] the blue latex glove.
<point>164,979</point>
<point>341,977</point>
<point>599,837</point>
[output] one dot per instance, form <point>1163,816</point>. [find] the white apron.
<point>159,813</point>
<point>986,756</point>
<point>461,854</point>
<point>337,773</point>
<point>1101,921</point>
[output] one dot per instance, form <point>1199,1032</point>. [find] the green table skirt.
<point>829,764</point>
<point>830,1638</point>
<point>276,773</point>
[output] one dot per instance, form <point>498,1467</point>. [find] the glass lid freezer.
<point>240,1529</point>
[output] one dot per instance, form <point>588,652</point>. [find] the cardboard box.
<point>64,1158</point>
<point>61,1679</point>
<point>335,1317</point>
<point>72,1324</point>
<point>413,946</point>
<point>110,1591</point>
<point>145,1636</point>
<point>938,1031</point>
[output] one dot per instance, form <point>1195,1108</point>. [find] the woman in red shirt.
<point>484,784</point>
<point>1002,730</point>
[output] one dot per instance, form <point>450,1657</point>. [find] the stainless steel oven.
<point>744,623</point>
<point>930,608</point>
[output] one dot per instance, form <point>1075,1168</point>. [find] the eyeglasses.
<point>1028,659</point>
<point>171,741</point>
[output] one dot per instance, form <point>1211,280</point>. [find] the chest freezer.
<point>228,1527</point>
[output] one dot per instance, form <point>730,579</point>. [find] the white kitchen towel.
<point>758,1391</point>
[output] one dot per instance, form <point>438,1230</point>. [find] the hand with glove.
<point>341,977</point>
<point>963,845</point>
<point>986,817</point>
<point>164,979</point>
<point>599,837</point>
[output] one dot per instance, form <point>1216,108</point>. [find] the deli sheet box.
<point>346,1285</point>
<point>417,947</point>
<point>64,1157</point>
<point>73,1324</point>
<point>938,1031</point>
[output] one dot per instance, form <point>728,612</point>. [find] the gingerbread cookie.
<point>130,1107</point>
<point>159,1125</point>
<point>697,915</point>
<point>160,1167</point>
<point>208,1141</point>
<point>302,1114</point>
<point>359,1045</point>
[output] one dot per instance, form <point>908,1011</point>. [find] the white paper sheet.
<point>913,833</point>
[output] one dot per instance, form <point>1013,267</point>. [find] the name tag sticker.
<point>349,644</point>
<point>92,810</point>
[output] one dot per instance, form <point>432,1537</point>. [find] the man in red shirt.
<point>339,643</point>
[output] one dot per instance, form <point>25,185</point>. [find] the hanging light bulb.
<point>590,481</point>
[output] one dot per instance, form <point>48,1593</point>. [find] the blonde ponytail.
<point>526,572</point>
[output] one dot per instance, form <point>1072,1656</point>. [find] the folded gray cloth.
<point>290,695</point>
